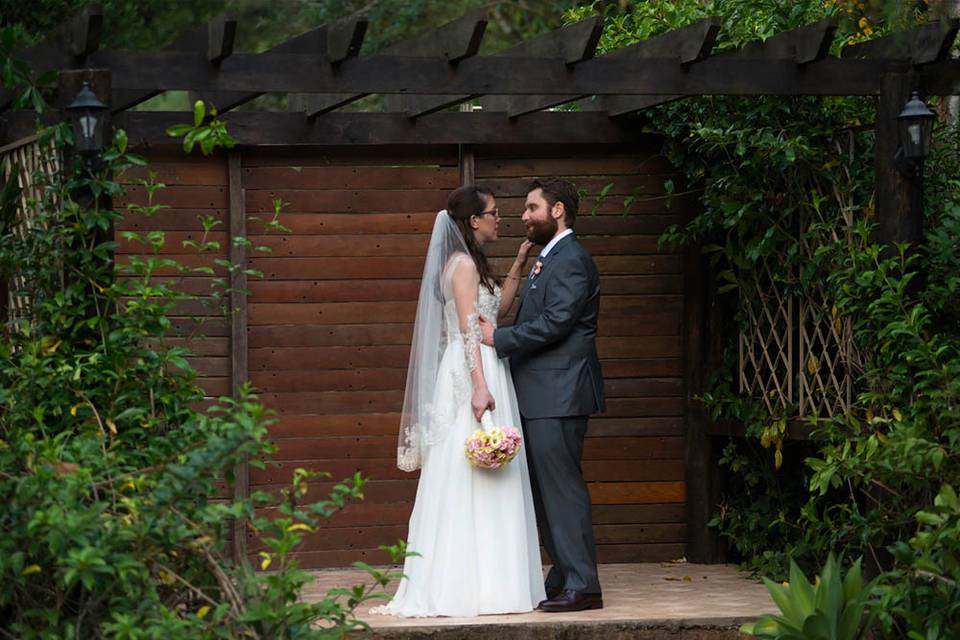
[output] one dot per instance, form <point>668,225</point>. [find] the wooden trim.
<point>238,331</point>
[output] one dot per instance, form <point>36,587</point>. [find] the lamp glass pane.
<point>88,125</point>
<point>915,130</point>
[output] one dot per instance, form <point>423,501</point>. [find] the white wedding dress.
<point>475,529</point>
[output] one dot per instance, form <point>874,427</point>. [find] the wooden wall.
<point>330,322</point>
<point>195,187</point>
<point>633,457</point>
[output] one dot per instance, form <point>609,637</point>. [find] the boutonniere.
<point>537,267</point>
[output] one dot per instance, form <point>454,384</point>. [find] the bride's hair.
<point>462,204</point>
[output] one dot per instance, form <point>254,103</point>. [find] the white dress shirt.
<point>557,238</point>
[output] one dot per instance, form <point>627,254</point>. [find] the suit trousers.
<point>554,453</point>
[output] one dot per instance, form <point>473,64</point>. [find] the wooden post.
<point>897,220</point>
<point>701,466</point>
<point>238,332</point>
<point>467,159</point>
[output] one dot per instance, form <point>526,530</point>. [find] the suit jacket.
<point>552,344</point>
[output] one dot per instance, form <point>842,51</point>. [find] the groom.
<point>553,358</point>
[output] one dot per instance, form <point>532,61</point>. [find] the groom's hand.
<point>486,331</point>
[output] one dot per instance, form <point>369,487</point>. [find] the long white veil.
<point>418,427</point>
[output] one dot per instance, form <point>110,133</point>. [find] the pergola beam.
<point>82,33</point>
<point>67,46</point>
<point>215,39</point>
<point>343,41</point>
<point>926,44</point>
<point>252,128</point>
<point>689,45</point>
<point>274,72</point>
<point>314,43</point>
<point>572,44</point>
<point>455,41</point>
<point>802,45</point>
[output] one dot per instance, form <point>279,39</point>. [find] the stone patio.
<point>648,601</point>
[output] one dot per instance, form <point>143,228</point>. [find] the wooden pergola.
<point>321,71</point>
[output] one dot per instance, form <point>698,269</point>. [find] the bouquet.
<point>492,447</point>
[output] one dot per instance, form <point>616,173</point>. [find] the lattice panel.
<point>797,353</point>
<point>826,385</point>
<point>827,358</point>
<point>766,346</point>
<point>28,162</point>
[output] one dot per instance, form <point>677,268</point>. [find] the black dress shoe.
<point>551,594</point>
<point>570,600</point>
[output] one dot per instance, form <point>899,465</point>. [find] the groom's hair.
<point>558,190</point>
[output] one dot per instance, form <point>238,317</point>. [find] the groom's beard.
<point>542,231</point>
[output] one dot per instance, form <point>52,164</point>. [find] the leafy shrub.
<point>115,515</point>
<point>773,177</point>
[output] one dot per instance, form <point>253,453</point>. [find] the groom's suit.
<point>553,359</point>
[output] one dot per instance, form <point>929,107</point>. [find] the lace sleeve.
<point>466,283</point>
<point>471,340</point>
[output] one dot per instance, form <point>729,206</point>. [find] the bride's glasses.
<point>495,212</point>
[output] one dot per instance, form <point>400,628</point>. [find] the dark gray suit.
<point>553,359</point>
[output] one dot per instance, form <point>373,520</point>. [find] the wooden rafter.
<point>252,128</point>
<point>455,44</point>
<point>69,45</point>
<point>802,45</point>
<point>926,44</point>
<point>689,45</point>
<point>453,41</point>
<point>573,43</point>
<point>215,38</point>
<point>275,72</point>
<point>326,45</point>
<point>343,41</point>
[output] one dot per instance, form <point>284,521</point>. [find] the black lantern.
<point>916,127</point>
<point>89,116</point>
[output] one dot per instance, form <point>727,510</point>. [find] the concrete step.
<point>718,629</point>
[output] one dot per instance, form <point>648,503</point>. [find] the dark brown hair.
<point>557,190</point>
<point>462,204</point>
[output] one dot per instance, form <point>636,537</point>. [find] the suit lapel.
<point>547,264</point>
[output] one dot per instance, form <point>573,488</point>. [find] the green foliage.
<point>114,476</point>
<point>829,609</point>
<point>786,195</point>
<point>209,133</point>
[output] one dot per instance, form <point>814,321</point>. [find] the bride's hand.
<point>524,251</point>
<point>481,401</point>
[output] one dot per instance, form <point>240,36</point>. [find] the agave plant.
<point>829,609</point>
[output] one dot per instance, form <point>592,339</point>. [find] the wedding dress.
<point>474,529</point>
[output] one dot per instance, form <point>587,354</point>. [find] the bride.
<point>474,530</point>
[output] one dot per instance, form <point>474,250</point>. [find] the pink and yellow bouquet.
<point>492,447</point>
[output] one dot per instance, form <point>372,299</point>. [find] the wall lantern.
<point>915,123</point>
<point>88,116</point>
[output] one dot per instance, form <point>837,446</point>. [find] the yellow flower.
<point>863,23</point>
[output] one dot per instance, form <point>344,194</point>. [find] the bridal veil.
<point>420,426</point>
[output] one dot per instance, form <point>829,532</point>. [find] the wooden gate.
<point>329,324</point>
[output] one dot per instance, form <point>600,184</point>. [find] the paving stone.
<point>641,601</point>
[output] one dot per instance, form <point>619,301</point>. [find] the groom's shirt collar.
<point>557,238</point>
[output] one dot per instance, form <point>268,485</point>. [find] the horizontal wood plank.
<point>341,177</point>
